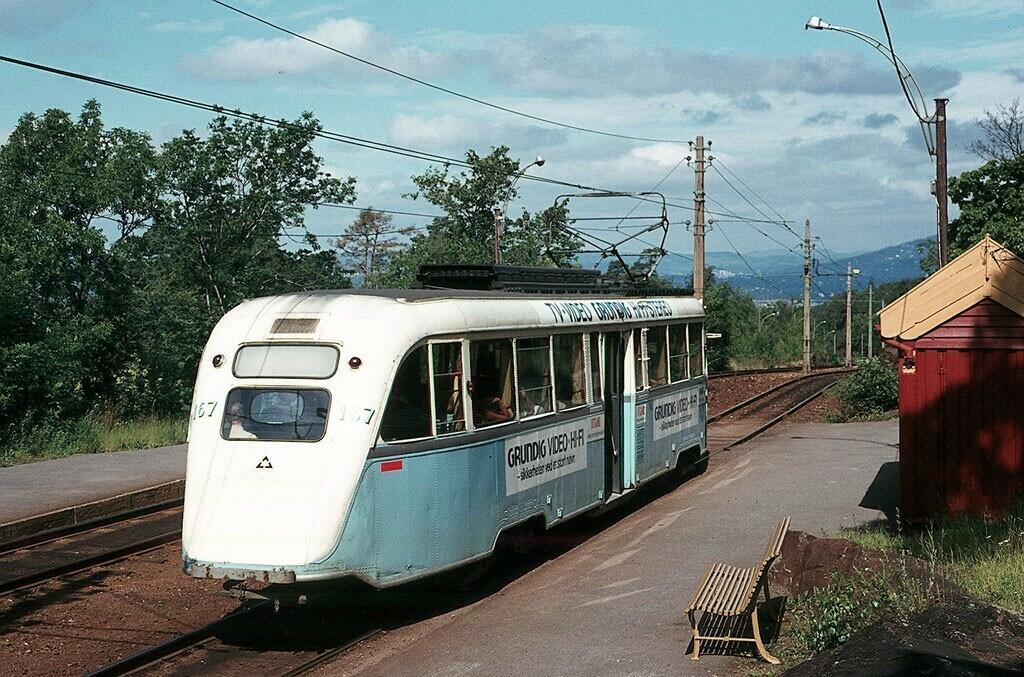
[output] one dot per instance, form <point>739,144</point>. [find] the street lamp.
<point>499,214</point>
<point>919,105</point>
<point>760,320</point>
<point>815,328</point>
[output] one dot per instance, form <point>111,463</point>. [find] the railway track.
<point>239,643</point>
<point>32,561</point>
<point>751,417</point>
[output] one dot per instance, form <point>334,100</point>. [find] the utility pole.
<point>807,296</point>
<point>871,317</point>
<point>698,220</point>
<point>941,180</point>
<point>849,317</point>
<point>499,229</point>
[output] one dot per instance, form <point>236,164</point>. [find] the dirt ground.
<point>958,635</point>
<point>725,391</point>
<point>82,622</point>
<point>973,638</point>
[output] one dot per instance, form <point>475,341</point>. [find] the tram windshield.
<point>275,414</point>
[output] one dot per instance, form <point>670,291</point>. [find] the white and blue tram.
<point>389,435</point>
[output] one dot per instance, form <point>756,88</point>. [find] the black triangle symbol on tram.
<point>265,463</point>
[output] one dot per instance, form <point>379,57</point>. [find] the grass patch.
<point>985,557</point>
<point>825,618</point>
<point>90,435</point>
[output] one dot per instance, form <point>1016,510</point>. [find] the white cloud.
<point>251,59</point>
<point>663,154</point>
<point>190,26</point>
<point>455,134</point>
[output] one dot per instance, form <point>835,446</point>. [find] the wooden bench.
<point>728,596</point>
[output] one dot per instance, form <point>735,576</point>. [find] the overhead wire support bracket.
<point>612,249</point>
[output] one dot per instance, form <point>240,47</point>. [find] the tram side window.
<point>677,352</point>
<point>657,356</point>
<point>449,412</point>
<point>640,372</point>
<point>596,358</point>
<point>533,357</point>
<point>570,371</point>
<point>492,381</point>
<point>695,344</point>
<point>407,414</point>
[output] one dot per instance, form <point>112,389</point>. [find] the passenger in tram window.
<point>488,407</point>
<point>236,423</point>
<point>528,406</point>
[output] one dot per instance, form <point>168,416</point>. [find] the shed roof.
<point>986,270</point>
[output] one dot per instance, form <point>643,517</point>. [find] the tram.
<point>387,435</point>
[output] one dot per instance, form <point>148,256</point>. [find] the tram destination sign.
<point>582,312</point>
<point>672,414</point>
<point>540,456</point>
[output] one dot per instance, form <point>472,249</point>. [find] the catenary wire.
<point>439,88</point>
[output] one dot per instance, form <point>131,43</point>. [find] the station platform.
<point>35,497</point>
<point>614,604</point>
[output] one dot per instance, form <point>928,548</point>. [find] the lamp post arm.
<point>924,118</point>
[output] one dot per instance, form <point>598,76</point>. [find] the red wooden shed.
<point>960,335</point>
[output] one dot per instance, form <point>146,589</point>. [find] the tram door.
<point>614,359</point>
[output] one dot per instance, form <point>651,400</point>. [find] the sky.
<point>814,122</point>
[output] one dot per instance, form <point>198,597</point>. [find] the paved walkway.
<point>613,605</point>
<point>35,488</point>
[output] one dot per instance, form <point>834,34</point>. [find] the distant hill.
<point>779,273</point>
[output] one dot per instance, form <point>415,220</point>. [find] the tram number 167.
<point>203,409</point>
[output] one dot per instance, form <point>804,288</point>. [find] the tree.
<point>369,243</point>
<point>991,201</point>
<point>228,200</point>
<point>1004,134</point>
<point>465,232</point>
<point>65,295</point>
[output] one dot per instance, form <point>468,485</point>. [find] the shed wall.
<point>962,417</point>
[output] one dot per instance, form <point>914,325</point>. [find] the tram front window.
<point>275,414</point>
<point>492,381</point>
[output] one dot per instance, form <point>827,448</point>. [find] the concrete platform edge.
<point>105,507</point>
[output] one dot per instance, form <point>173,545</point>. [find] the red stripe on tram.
<point>388,466</point>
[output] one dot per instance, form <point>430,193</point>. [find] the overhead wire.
<point>324,134</point>
<point>434,86</point>
<point>782,219</point>
<point>747,264</point>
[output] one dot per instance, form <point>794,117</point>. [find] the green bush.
<point>870,391</point>
<point>828,617</point>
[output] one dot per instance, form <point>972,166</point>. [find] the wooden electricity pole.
<point>807,296</point>
<point>849,317</point>
<point>698,219</point>
<point>941,180</point>
<point>871,316</point>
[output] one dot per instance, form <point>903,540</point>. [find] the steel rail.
<point>79,565</point>
<point>330,654</point>
<point>51,535</point>
<point>174,646</point>
<point>768,424</point>
<point>779,386</point>
<point>748,372</point>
